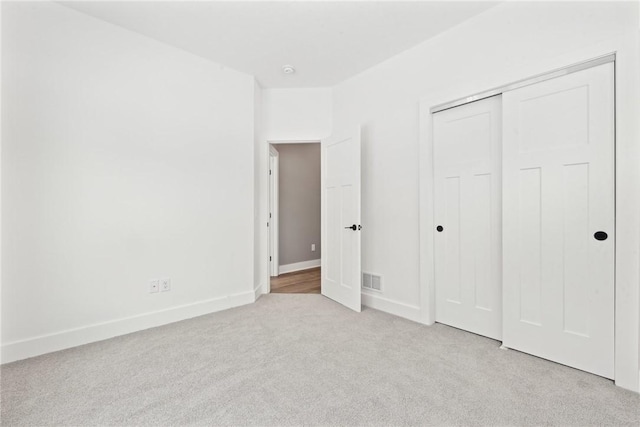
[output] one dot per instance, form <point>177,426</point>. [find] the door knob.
<point>600,235</point>
<point>439,228</point>
<point>355,227</point>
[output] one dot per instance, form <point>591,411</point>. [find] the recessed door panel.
<point>566,115</point>
<point>452,267</point>
<point>482,229</point>
<point>530,271</point>
<point>575,251</point>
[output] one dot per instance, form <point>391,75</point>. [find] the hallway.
<point>297,282</point>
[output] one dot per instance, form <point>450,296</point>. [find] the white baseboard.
<point>257,291</point>
<point>297,266</point>
<point>396,308</point>
<point>23,349</point>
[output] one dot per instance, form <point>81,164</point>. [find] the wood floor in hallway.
<point>297,282</point>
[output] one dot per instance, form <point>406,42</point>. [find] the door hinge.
<point>269,171</point>
<point>269,258</point>
<point>267,224</point>
<point>269,214</point>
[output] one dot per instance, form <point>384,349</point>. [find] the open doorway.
<point>295,217</point>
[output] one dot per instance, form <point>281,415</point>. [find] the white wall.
<point>509,42</point>
<point>124,159</point>
<point>297,114</point>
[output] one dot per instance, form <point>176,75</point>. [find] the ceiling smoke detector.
<point>288,69</point>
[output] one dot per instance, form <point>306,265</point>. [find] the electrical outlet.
<point>313,247</point>
<point>154,286</point>
<point>165,285</point>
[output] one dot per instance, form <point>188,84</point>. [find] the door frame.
<point>274,213</point>
<point>627,194</point>
<point>270,143</point>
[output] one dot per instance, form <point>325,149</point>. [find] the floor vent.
<point>376,283</point>
<point>371,281</point>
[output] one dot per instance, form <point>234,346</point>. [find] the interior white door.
<point>558,199</point>
<point>341,262</point>
<point>467,200</point>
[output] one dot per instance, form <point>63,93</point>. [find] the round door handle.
<point>439,228</point>
<point>600,235</point>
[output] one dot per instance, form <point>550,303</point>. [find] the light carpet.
<point>305,360</point>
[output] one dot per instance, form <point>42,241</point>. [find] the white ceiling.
<point>326,42</point>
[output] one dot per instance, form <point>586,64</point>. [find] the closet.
<point>524,207</point>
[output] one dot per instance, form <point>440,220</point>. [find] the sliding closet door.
<point>467,211</point>
<point>558,218</point>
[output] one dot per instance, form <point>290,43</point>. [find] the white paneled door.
<point>558,218</point>
<point>467,204</point>
<point>341,229</point>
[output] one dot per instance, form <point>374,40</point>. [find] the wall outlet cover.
<point>154,286</point>
<point>165,285</point>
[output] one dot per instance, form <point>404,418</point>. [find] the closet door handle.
<point>439,228</point>
<point>600,235</point>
